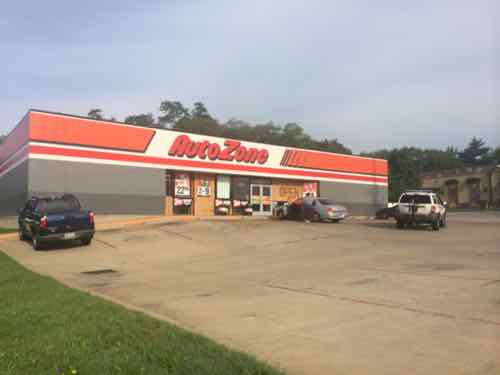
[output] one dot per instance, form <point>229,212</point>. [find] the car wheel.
<point>36,243</point>
<point>86,241</point>
<point>442,222</point>
<point>336,221</point>
<point>400,224</point>
<point>435,224</point>
<point>316,218</point>
<point>280,214</point>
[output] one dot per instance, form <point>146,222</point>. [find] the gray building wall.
<point>106,189</point>
<point>14,190</point>
<point>110,189</point>
<point>362,200</point>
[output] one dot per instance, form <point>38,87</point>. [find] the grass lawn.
<point>47,328</point>
<point>7,230</point>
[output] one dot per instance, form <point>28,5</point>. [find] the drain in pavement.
<point>99,272</point>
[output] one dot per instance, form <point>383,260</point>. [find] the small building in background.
<point>471,186</point>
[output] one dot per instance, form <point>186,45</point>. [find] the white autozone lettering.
<point>232,151</point>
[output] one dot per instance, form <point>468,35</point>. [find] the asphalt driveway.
<point>350,298</point>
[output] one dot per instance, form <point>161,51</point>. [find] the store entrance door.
<point>261,199</point>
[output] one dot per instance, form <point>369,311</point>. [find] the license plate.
<point>70,236</point>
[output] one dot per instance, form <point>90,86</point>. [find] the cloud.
<point>372,76</point>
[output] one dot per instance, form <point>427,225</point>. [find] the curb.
<point>8,236</point>
<point>155,221</point>
<point>162,220</point>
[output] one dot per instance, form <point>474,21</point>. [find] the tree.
<point>199,125</point>
<point>496,155</point>
<point>96,113</point>
<point>293,135</point>
<point>199,121</point>
<point>404,169</point>
<point>200,110</point>
<point>172,112</point>
<point>331,145</point>
<point>434,160</point>
<point>476,152</point>
<point>143,119</point>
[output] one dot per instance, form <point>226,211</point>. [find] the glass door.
<point>261,199</point>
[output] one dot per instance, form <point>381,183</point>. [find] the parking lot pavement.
<point>351,298</point>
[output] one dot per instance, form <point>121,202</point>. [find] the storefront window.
<point>182,189</point>
<point>223,195</point>
<point>223,187</point>
<point>241,195</point>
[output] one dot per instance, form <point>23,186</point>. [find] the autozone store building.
<point>124,169</point>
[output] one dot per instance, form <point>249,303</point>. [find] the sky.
<point>372,74</point>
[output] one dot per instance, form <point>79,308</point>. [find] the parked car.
<point>387,212</point>
<point>421,207</point>
<point>322,209</point>
<point>44,220</point>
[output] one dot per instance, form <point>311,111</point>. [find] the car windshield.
<point>417,198</point>
<point>58,205</point>
<point>326,202</point>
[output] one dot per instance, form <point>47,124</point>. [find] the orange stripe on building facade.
<point>64,130</point>
<point>52,128</point>
<point>335,162</point>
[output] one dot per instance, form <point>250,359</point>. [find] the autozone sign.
<point>53,136</point>
<point>231,150</point>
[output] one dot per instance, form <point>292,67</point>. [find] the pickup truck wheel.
<point>435,224</point>
<point>36,243</point>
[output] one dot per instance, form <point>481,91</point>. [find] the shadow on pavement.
<point>58,245</point>
<point>391,225</point>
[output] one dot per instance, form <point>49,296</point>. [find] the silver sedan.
<point>320,209</point>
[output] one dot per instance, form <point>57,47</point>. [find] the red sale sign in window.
<point>182,185</point>
<point>311,188</point>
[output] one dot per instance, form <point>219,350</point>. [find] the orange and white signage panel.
<point>61,137</point>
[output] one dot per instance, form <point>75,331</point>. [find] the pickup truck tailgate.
<point>69,222</point>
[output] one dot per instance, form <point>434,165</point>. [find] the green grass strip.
<point>7,230</point>
<point>47,328</point>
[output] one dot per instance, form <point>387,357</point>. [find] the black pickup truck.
<point>55,219</point>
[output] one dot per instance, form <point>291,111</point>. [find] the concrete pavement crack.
<point>429,272</point>
<point>381,304</point>
<point>105,243</point>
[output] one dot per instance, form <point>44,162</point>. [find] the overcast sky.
<point>372,74</point>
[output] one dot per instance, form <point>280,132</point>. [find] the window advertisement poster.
<point>203,188</point>
<point>182,185</point>
<point>223,187</point>
<point>311,188</point>
<point>182,202</point>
